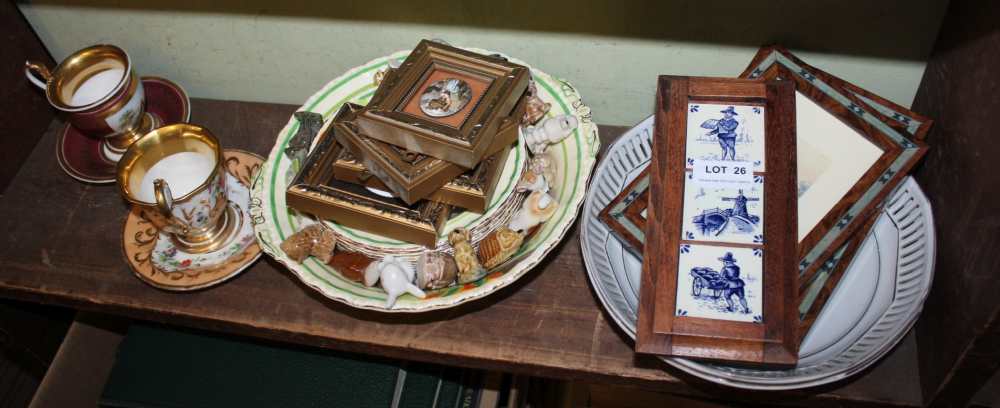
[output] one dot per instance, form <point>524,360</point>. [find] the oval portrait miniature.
<point>445,97</point>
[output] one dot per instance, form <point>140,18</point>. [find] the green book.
<point>157,367</point>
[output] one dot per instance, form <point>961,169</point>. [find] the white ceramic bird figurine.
<point>395,277</point>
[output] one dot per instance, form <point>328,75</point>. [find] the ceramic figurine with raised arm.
<point>551,131</point>
<point>395,277</point>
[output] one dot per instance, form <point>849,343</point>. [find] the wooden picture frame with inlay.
<point>723,322</point>
<point>831,233</point>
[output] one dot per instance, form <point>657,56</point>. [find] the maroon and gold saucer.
<point>80,155</point>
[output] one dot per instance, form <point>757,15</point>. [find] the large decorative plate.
<point>574,159</point>
<point>875,304</point>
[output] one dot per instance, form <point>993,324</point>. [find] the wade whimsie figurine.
<point>395,277</point>
<point>351,265</point>
<point>499,246</point>
<point>309,124</point>
<point>435,270</point>
<point>551,131</point>
<point>469,269</point>
<point>535,109</point>
<point>539,206</point>
<point>314,240</point>
<point>536,209</point>
<point>544,165</point>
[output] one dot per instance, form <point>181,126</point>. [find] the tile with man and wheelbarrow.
<point>722,283</point>
<point>720,132</point>
<point>720,213</point>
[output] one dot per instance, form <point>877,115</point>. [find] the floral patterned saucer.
<point>154,258</point>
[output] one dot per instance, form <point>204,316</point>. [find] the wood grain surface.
<point>960,329</point>
<point>25,111</point>
<point>62,245</point>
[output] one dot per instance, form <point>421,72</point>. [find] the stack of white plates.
<point>874,305</point>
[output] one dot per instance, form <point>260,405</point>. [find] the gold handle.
<point>165,204</point>
<point>33,69</point>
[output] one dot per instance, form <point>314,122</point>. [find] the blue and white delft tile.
<point>716,214</point>
<point>706,121</point>
<point>704,280</point>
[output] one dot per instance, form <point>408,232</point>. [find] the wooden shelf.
<point>63,246</point>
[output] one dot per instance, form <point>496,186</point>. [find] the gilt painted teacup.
<point>175,175</point>
<point>100,93</point>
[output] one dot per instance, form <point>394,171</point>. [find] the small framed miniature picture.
<point>445,95</point>
<point>448,103</point>
<point>719,265</point>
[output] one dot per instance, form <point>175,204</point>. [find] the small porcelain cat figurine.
<point>395,277</point>
<point>469,269</point>
<point>551,131</point>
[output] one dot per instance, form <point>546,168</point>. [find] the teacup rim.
<point>59,104</point>
<point>130,156</point>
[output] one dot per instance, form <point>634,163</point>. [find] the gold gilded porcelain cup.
<point>176,177</point>
<point>100,94</point>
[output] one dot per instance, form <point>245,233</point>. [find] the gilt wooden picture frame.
<point>472,190</point>
<point>315,190</point>
<point>721,282</point>
<point>447,103</point>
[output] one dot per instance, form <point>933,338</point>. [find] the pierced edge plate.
<point>908,209</point>
<point>576,154</point>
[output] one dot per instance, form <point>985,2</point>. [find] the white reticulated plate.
<point>573,159</point>
<point>874,305</point>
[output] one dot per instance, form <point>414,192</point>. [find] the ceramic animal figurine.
<point>395,277</point>
<point>309,124</point>
<point>351,265</point>
<point>543,164</point>
<point>532,181</point>
<point>537,174</point>
<point>499,246</point>
<point>469,269</point>
<point>551,131</point>
<point>435,270</point>
<point>535,109</point>
<point>314,240</point>
<point>536,209</point>
<point>380,76</point>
